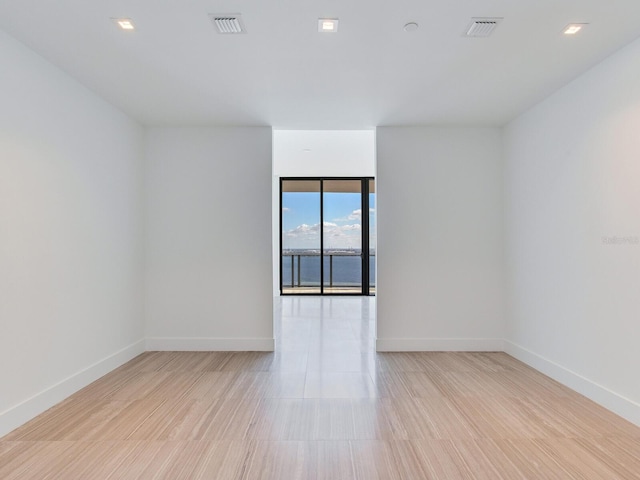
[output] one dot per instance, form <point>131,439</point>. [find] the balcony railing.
<point>342,270</point>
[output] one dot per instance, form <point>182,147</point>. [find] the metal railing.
<point>296,267</point>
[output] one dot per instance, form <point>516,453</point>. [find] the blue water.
<point>346,271</point>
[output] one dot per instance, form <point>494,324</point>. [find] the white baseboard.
<point>30,408</point>
<point>164,344</point>
<point>439,345</point>
<point>23,412</point>
<point>618,404</point>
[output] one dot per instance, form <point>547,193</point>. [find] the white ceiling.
<point>176,70</point>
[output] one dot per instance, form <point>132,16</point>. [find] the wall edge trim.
<point>211,344</point>
<point>616,403</point>
<point>33,406</point>
<point>439,345</point>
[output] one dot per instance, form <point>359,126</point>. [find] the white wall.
<point>324,153</point>
<point>440,250</point>
<point>573,229</point>
<point>208,239</point>
<point>70,236</point>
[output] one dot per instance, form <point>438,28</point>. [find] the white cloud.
<point>356,215</point>
<point>348,228</point>
<point>303,230</point>
<point>336,236</point>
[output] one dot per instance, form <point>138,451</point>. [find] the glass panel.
<point>300,236</point>
<point>372,236</point>
<point>342,254</point>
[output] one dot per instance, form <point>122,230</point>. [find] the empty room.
<point>305,240</point>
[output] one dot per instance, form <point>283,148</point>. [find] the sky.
<point>342,220</point>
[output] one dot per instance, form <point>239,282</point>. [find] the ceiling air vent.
<point>228,23</point>
<point>481,27</point>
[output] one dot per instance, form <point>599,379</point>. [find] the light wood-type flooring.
<point>323,406</point>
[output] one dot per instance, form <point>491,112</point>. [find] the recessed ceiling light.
<point>410,27</point>
<point>327,25</point>
<point>124,24</point>
<point>573,28</point>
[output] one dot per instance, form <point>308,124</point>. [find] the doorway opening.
<point>327,236</point>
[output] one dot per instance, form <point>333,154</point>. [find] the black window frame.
<point>366,288</point>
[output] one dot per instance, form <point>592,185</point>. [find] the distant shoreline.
<point>316,252</point>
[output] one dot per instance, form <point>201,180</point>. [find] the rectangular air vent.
<point>482,27</point>
<point>228,22</point>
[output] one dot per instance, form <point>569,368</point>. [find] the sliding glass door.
<point>300,240</point>
<point>325,236</point>
<point>342,236</point>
